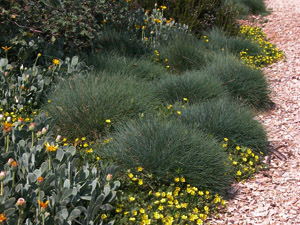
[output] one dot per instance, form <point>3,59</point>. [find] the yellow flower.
<point>170,106</point>
<point>43,205</point>
<point>103,216</point>
<point>132,219</point>
<point>157,194</point>
<point>238,148</point>
<point>130,175</point>
<point>40,54</point>
<point>239,173</point>
<point>160,207</point>
<point>140,169</point>
<point>163,7</point>
<point>185,99</point>
<point>176,179</point>
<point>234,163</point>
<point>226,139</point>
<point>106,141</point>
<point>184,217</point>
<point>140,182</point>
<point>206,208</point>
<point>200,193</point>
<point>5,48</point>
<point>179,112</point>
<point>131,198</point>
<point>156,215</point>
<point>55,62</point>
<point>182,179</point>
<point>51,148</point>
<point>108,121</point>
<point>142,211</point>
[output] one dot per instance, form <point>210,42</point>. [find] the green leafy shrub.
<point>141,68</point>
<point>170,149</point>
<point>146,201</point>
<point>224,118</point>
<point>218,40</point>
<point>82,105</point>
<point>183,52</point>
<point>246,84</point>
<point>52,186</point>
<point>193,85</point>
<point>200,15</point>
<point>23,89</point>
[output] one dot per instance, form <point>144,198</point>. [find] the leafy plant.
<point>49,185</point>
<point>89,105</point>
<point>169,149</point>
<point>225,118</point>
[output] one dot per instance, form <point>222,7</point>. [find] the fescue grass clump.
<point>193,85</point>
<point>140,68</point>
<point>252,7</point>
<point>89,105</point>
<point>246,84</point>
<point>234,44</point>
<point>225,118</point>
<point>168,149</point>
<point>184,52</point>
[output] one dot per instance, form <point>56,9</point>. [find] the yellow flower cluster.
<point>270,53</point>
<point>244,160</point>
<point>164,204</point>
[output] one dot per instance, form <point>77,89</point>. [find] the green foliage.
<point>141,68</point>
<point>176,203</point>
<point>201,15</point>
<point>122,43</point>
<point>251,6</point>
<point>70,191</point>
<point>170,149</point>
<point>82,104</point>
<point>246,84</point>
<point>224,118</point>
<point>218,40</point>
<point>183,52</point>
<point>23,89</point>
<point>193,85</point>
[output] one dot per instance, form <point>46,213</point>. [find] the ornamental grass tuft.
<point>184,52</point>
<point>225,118</point>
<point>170,149</point>
<point>82,105</point>
<point>193,85</point>
<point>246,84</point>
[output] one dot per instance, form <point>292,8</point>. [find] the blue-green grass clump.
<point>82,104</point>
<point>193,85</point>
<point>168,149</point>
<point>246,84</point>
<point>225,118</point>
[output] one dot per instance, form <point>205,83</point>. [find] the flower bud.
<point>44,130</point>
<point>10,161</point>
<point>32,126</point>
<point>40,181</point>
<point>14,165</point>
<point>20,120</point>
<point>2,175</point>
<point>21,203</point>
<point>39,133</point>
<point>58,138</point>
<point>21,67</point>
<point>27,76</point>
<point>8,119</point>
<point>109,177</point>
<point>1,116</point>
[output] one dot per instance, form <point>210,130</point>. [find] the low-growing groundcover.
<point>246,84</point>
<point>89,105</point>
<point>167,149</point>
<point>192,85</point>
<point>225,118</point>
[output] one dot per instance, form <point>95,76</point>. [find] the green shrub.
<point>218,40</point>
<point>140,68</point>
<point>224,118</point>
<point>244,83</point>
<point>252,7</point>
<point>171,149</point>
<point>200,15</point>
<point>193,85</point>
<point>184,52</point>
<point>82,104</point>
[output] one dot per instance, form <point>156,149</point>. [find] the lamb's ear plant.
<point>68,191</point>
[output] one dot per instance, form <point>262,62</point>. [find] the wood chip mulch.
<point>273,196</point>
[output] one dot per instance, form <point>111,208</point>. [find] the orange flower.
<point>2,217</point>
<point>5,48</point>
<point>14,164</point>
<point>7,126</point>
<point>43,205</point>
<point>51,148</point>
<point>40,179</point>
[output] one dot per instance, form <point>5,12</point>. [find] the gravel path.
<point>273,196</point>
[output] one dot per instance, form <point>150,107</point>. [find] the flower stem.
<point>2,192</point>
<point>13,181</point>
<point>49,161</point>
<point>7,143</point>
<point>43,219</point>
<point>32,139</point>
<point>39,190</point>
<point>20,216</point>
